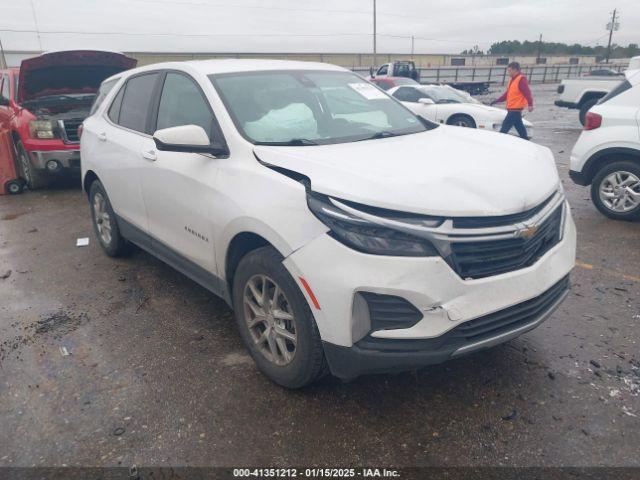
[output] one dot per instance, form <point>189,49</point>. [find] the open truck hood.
<point>448,171</point>
<point>73,71</point>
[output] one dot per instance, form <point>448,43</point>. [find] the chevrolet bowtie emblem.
<point>527,232</point>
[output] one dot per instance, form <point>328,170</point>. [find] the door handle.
<point>149,155</point>
<point>102,137</point>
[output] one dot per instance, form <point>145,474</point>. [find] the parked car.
<point>603,72</point>
<point>385,83</point>
<point>584,92</point>
<point>345,232</point>
<point>607,154</point>
<point>44,103</point>
<point>444,104</point>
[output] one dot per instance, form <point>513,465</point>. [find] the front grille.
<point>478,259</point>
<point>479,329</point>
<point>71,129</point>
<point>389,311</point>
<point>499,221</point>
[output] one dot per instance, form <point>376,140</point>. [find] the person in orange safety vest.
<point>518,97</point>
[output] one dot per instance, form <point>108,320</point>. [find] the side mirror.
<point>189,139</point>
<point>426,101</point>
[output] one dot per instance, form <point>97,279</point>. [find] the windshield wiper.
<point>382,134</point>
<point>294,142</point>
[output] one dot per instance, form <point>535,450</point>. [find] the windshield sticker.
<point>368,91</point>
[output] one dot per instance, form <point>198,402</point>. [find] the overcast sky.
<point>443,26</point>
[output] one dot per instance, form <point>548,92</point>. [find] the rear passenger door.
<point>178,187</point>
<point>122,143</point>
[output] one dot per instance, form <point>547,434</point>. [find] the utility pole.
<point>539,50</point>
<point>413,39</point>
<point>375,49</point>
<point>35,21</point>
<point>2,57</point>
<point>611,27</point>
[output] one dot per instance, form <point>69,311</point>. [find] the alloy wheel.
<point>102,218</point>
<point>26,168</point>
<point>620,191</point>
<point>270,320</point>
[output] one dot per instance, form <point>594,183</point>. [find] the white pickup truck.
<point>584,92</point>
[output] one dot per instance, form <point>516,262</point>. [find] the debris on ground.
<point>511,416</point>
<point>82,242</point>
<point>5,275</point>
<point>64,351</point>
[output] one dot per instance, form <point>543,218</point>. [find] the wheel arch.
<point>245,240</point>
<point>89,177</point>
<point>607,155</point>
<point>460,114</point>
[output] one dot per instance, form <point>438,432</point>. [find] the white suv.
<point>344,231</point>
<point>607,154</point>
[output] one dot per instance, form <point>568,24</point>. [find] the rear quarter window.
<point>103,91</point>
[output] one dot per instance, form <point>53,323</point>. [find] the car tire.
<point>283,339</point>
<point>585,107</point>
<point>604,184</point>
<point>104,222</point>
<point>462,120</point>
<point>13,187</point>
<point>33,178</point>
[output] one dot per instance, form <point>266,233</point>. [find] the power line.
<point>165,34</point>
<point>168,34</point>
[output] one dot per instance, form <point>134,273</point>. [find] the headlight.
<point>42,129</point>
<point>365,236</point>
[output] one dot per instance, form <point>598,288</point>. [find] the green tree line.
<point>516,47</point>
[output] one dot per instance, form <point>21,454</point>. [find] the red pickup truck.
<point>44,102</point>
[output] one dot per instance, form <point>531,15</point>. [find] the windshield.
<point>311,108</point>
<point>444,94</point>
<point>405,81</point>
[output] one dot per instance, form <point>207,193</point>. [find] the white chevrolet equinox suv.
<point>347,234</point>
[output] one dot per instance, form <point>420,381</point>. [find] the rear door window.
<point>135,102</point>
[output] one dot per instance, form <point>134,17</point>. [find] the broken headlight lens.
<point>43,129</point>
<point>365,236</point>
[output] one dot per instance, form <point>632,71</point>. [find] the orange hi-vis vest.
<point>515,99</point>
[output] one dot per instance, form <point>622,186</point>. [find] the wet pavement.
<point>117,362</point>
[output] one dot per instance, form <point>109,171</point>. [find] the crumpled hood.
<point>73,71</point>
<point>447,171</point>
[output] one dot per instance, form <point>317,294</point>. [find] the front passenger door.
<point>178,187</point>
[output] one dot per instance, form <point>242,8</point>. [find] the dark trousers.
<point>514,119</point>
